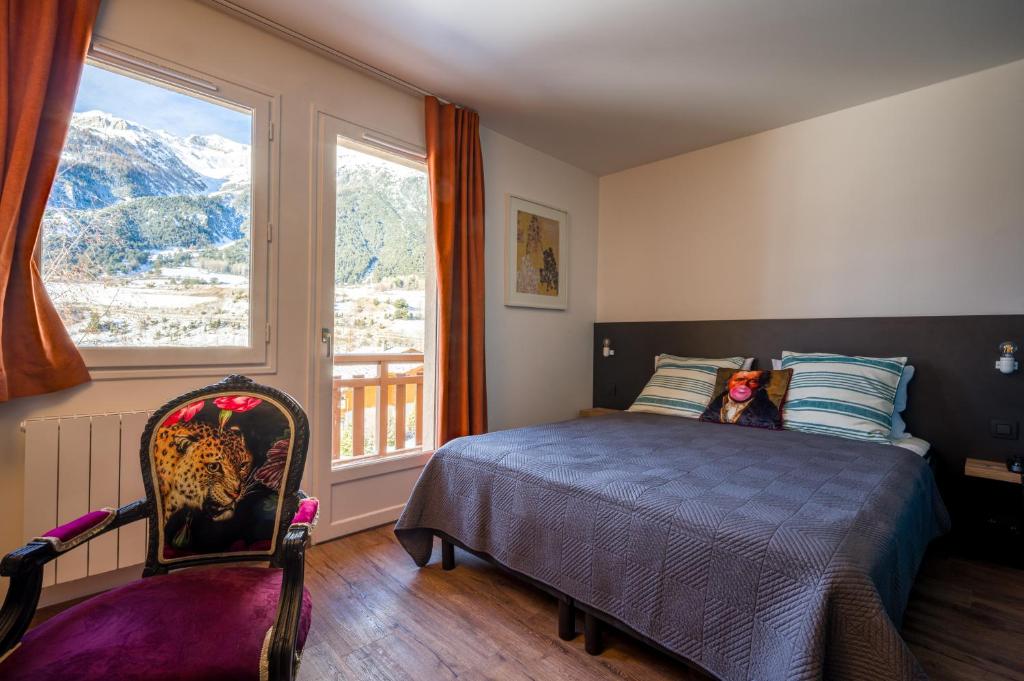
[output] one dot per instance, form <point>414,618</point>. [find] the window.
<point>154,238</point>
<point>382,300</point>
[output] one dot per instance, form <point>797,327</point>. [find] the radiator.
<point>74,464</point>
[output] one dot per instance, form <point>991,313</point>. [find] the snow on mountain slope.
<point>170,163</point>
<point>107,160</point>
<point>212,156</point>
<point>123,190</point>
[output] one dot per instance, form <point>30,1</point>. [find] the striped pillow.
<point>850,397</point>
<point>682,386</point>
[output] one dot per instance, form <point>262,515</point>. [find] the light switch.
<point>1004,430</point>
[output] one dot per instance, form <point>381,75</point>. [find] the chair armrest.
<point>25,565</point>
<point>42,550</point>
<point>281,655</point>
<point>308,513</point>
<point>80,530</point>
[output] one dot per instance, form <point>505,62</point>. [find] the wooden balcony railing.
<point>370,383</point>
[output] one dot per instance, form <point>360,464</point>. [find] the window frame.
<point>115,362</point>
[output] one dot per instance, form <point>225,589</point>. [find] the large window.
<point>154,236</point>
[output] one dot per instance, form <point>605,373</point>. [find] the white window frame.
<point>329,129</point>
<point>258,356</point>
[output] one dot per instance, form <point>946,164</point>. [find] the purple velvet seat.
<point>222,467</point>
<point>208,624</point>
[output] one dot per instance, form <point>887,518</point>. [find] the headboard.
<point>954,395</point>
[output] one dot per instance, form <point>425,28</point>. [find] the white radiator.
<point>75,464</point>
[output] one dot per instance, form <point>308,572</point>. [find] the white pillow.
<point>845,396</point>
<point>899,426</point>
<point>682,386</point>
<point>747,363</point>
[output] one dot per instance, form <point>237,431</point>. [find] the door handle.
<point>327,339</point>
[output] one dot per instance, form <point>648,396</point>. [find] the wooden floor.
<point>376,616</point>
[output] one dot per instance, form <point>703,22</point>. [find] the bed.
<point>751,554</point>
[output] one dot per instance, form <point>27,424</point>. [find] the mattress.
<point>913,444</point>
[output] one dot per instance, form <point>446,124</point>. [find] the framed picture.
<point>536,255</point>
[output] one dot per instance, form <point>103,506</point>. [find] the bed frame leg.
<point>566,618</point>
<point>447,555</point>
<point>592,634</point>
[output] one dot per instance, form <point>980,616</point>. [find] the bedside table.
<point>598,411</point>
<point>995,511</point>
<point>990,470</point>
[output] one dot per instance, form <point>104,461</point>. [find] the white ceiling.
<point>610,84</point>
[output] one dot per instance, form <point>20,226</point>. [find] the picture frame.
<point>536,255</point>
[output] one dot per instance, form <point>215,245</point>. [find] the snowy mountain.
<point>220,160</point>
<point>108,159</point>
<point>124,192</point>
<point>128,198</point>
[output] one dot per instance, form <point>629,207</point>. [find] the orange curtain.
<point>456,171</point>
<point>43,44</point>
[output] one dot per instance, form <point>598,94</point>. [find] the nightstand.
<point>598,411</point>
<point>990,470</point>
<point>995,509</point>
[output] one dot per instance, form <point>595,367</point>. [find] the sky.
<point>158,107</point>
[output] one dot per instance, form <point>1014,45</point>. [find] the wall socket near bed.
<point>1004,430</point>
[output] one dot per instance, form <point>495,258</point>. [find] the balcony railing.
<point>377,404</point>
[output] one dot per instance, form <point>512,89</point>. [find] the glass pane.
<point>379,296</point>
<point>146,231</point>
<point>380,253</point>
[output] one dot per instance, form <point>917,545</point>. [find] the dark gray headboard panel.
<point>953,397</point>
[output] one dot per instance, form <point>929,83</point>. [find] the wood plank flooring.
<point>378,617</point>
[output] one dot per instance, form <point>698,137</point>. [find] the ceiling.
<point>611,84</point>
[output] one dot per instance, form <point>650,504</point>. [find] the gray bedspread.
<point>756,554</point>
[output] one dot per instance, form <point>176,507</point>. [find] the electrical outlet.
<point>1004,430</point>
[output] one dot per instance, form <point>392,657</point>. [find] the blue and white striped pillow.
<point>850,397</point>
<point>682,386</point>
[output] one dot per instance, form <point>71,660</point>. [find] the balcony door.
<point>373,417</point>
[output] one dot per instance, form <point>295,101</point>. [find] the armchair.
<point>221,466</point>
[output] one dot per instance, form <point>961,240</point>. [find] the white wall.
<point>520,387</point>
<point>910,205</point>
<point>539,365</point>
<point>203,39</point>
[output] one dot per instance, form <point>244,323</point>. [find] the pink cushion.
<point>193,624</point>
<point>69,531</point>
<point>306,513</point>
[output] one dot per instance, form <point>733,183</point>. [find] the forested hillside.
<point>380,224</point>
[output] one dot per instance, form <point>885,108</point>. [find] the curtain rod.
<point>304,40</point>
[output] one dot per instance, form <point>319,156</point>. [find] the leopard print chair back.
<point>222,467</point>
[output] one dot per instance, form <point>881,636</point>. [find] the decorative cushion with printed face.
<point>748,398</point>
<point>218,466</point>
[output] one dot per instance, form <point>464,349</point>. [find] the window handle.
<point>327,339</point>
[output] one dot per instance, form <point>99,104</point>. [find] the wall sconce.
<point>1007,363</point>
<point>606,348</point>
